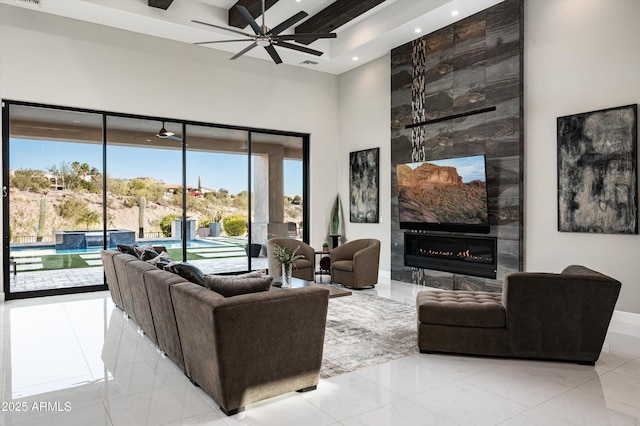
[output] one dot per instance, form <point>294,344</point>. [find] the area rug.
<point>364,330</point>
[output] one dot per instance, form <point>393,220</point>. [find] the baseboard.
<point>384,274</point>
<point>1,297</point>
<point>626,318</point>
<point>625,323</point>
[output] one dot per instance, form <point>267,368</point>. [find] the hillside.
<point>26,205</point>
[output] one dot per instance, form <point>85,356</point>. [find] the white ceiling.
<point>367,37</point>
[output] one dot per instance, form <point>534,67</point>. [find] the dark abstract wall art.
<point>364,186</point>
<point>597,171</point>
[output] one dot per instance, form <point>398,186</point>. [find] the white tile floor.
<point>76,360</point>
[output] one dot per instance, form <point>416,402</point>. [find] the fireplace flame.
<point>443,253</point>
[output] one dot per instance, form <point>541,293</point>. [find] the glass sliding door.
<point>144,183</point>
<point>79,181</point>
<point>217,198</point>
<point>54,199</point>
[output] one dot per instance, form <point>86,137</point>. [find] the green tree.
<point>88,218</point>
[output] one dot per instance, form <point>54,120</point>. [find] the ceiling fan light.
<point>164,133</point>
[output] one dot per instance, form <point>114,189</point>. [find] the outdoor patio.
<point>32,275</point>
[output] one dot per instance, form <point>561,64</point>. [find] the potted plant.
<point>325,247</point>
<point>287,259</point>
<point>335,226</point>
<point>253,249</point>
<point>214,225</point>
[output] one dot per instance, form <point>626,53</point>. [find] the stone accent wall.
<point>473,64</point>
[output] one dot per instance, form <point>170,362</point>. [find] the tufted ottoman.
<point>470,322</point>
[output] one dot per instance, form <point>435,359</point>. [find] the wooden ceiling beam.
<point>253,6</point>
<point>335,15</point>
<point>160,4</point>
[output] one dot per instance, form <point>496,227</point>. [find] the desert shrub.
<point>117,186</point>
<point>29,180</point>
<point>155,191</point>
<point>71,208</point>
<point>94,185</point>
<point>165,224</point>
<point>241,200</point>
<point>196,204</point>
<point>235,225</point>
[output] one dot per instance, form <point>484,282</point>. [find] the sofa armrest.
<point>558,316</point>
<point>247,348</point>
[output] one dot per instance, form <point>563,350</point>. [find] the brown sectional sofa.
<point>239,349</point>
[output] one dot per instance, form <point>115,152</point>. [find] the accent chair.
<point>302,268</point>
<point>355,263</point>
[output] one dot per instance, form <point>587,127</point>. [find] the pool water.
<point>169,244</point>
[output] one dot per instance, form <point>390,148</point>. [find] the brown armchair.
<point>355,263</point>
<point>302,268</point>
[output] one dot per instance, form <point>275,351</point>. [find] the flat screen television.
<point>444,195</point>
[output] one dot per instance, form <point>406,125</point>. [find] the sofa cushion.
<point>235,285</point>
<point>343,265</point>
<point>461,308</point>
<point>187,271</point>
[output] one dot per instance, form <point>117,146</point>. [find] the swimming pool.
<point>49,249</point>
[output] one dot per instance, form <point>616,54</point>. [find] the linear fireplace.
<point>469,255</point>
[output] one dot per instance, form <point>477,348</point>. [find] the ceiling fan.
<point>165,134</point>
<point>270,37</point>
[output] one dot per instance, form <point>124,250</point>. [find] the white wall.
<point>52,60</point>
<point>580,56</point>
<point>365,111</point>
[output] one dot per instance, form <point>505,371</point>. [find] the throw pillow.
<point>187,271</point>
<point>161,260</point>
<point>128,249</point>
<point>145,252</point>
<point>230,286</point>
<point>140,249</point>
<point>148,255</point>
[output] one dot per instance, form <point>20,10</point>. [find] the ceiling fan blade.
<point>247,17</point>
<point>223,41</point>
<point>299,48</point>
<point>307,36</point>
<point>243,51</point>
<point>289,22</point>
<point>274,55</point>
<point>223,28</point>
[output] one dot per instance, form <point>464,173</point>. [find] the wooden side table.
<point>324,265</point>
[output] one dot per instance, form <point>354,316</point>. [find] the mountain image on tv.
<point>443,191</point>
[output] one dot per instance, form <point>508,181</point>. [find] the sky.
<point>469,168</point>
<point>218,171</point>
